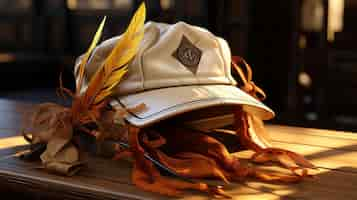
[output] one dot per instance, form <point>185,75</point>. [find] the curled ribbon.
<point>248,85</point>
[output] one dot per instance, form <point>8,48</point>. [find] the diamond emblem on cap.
<point>188,54</point>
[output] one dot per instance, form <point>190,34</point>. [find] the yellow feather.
<point>87,54</point>
<point>113,68</point>
<point>108,89</point>
<point>117,75</point>
<point>126,48</point>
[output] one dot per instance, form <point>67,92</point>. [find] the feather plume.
<point>87,54</point>
<point>114,66</point>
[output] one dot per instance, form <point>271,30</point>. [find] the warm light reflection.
<point>166,4</point>
<point>72,4</point>
<point>312,13</point>
<point>312,16</point>
<point>335,18</point>
<point>5,57</point>
<point>10,142</point>
<point>95,4</point>
<point>302,42</point>
<point>304,79</point>
<point>123,4</point>
<point>99,5</point>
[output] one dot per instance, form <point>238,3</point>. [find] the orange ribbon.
<point>248,85</point>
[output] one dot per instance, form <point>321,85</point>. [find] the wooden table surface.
<point>335,154</point>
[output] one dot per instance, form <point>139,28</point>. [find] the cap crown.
<point>169,56</point>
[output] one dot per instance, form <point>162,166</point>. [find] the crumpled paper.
<point>64,162</point>
<point>51,123</point>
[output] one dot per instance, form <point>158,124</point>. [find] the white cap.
<point>178,68</point>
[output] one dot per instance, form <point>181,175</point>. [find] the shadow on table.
<point>337,178</point>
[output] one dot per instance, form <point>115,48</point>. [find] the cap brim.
<point>167,102</point>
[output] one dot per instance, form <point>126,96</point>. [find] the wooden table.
<point>335,153</point>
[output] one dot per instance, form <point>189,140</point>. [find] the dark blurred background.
<point>303,52</point>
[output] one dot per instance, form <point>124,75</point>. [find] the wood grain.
<point>335,153</point>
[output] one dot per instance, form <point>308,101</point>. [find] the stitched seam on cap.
<point>154,40</point>
<point>222,57</point>
<point>191,102</point>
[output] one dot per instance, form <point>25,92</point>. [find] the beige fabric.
<point>165,85</point>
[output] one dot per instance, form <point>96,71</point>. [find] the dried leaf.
<point>48,120</point>
<point>65,161</point>
<point>56,144</point>
<point>62,136</point>
<point>67,169</point>
<point>68,154</point>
